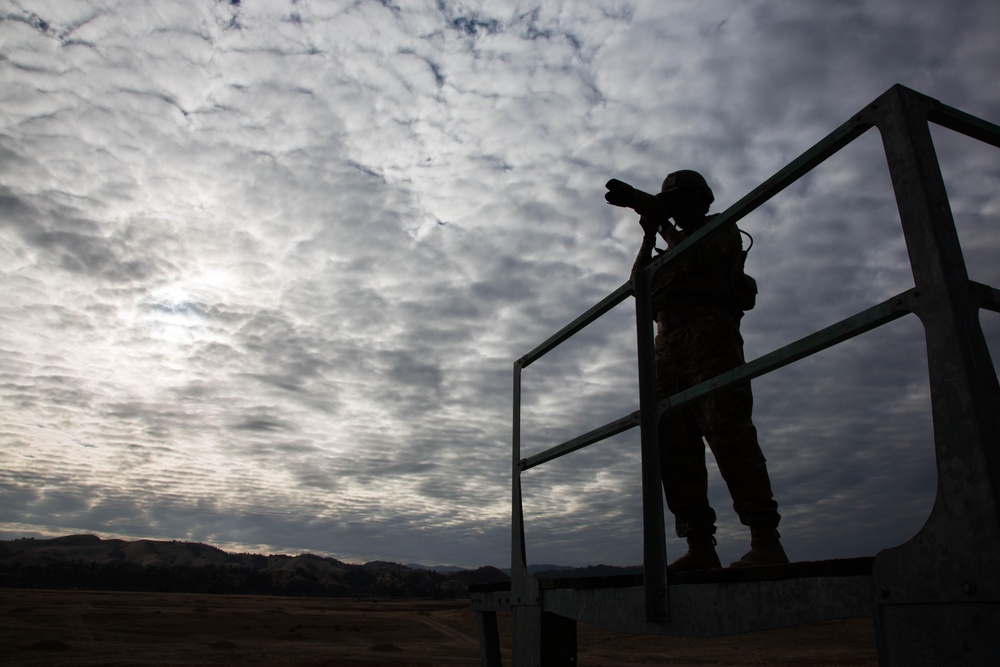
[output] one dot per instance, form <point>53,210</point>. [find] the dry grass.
<point>89,628</point>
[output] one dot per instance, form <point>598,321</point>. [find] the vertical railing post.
<point>518,566</point>
<point>938,595</point>
<point>654,549</point>
<point>525,605</point>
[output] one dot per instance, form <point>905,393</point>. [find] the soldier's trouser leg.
<point>684,475</point>
<point>682,450</point>
<point>733,440</point>
<point>727,422</point>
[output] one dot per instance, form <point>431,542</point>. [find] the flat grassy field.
<point>91,628</point>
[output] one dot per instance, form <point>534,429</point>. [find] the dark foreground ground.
<point>89,628</point>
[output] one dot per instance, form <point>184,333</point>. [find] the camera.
<point>622,194</point>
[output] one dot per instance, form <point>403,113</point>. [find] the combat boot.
<point>765,549</point>
<point>700,555</point>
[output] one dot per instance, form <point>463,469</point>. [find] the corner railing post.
<point>943,584</point>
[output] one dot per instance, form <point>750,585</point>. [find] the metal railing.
<point>965,394</point>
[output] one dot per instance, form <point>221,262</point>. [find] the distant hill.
<point>87,561</point>
<point>90,562</point>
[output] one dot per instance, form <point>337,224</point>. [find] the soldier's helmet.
<point>685,178</point>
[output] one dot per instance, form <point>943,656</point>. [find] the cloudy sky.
<point>266,265</point>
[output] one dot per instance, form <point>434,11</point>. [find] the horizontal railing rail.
<point>591,437</point>
<point>577,325</point>
<point>855,325</point>
<point>848,328</point>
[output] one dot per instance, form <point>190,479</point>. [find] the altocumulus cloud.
<point>267,264</point>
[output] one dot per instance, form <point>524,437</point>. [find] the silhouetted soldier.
<point>699,300</point>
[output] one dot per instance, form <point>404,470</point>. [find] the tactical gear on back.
<point>744,286</point>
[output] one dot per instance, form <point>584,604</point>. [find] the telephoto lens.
<point>622,194</point>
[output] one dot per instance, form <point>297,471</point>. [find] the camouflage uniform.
<point>697,338</point>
